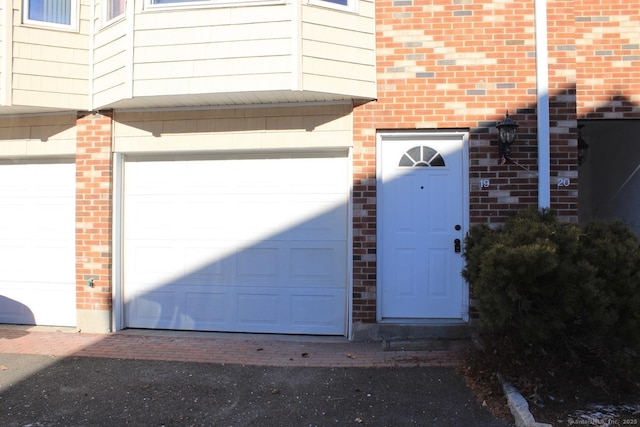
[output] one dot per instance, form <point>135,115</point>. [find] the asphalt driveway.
<point>41,390</point>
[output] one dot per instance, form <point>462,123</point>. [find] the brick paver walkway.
<point>216,348</point>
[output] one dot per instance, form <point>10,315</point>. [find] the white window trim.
<point>350,7</point>
<point>148,4</point>
<point>105,12</point>
<point>73,19</point>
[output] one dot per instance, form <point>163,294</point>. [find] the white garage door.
<point>37,244</point>
<point>237,244</point>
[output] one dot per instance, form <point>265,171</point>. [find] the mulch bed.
<point>560,390</point>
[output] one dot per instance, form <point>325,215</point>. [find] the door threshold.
<point>411,330</point>
<point>408,321</point>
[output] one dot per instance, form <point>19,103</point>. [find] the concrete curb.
<point>519,406</point>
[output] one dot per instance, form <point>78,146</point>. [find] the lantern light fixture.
<point>507,131</point>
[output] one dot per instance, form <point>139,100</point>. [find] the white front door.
<point>421,226</point>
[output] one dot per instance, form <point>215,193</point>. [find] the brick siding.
<point>93,211</point>
<point>461,65</point>
<point>608,54</point>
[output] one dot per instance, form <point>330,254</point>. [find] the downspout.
<point>542,99</point>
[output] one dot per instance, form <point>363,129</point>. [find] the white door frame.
<point>117,303</point>
<point>421,136</point>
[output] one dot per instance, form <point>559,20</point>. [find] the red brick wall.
<point>93,211</point>
<point>609,57</point>
<point>462,64</point>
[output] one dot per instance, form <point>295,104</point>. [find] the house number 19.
<point>484,183</point>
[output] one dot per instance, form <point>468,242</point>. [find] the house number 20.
<point>563,182</point>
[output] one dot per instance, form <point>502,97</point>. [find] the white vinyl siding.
<point>212,50</point>
<point>237,129</point>
<point>5,54</point>
<point>337,53</point>
<point>192,54</point>
<point>201,53</point>
<point>38,136</point>
<point>50,67</point>
<point>111,64</point>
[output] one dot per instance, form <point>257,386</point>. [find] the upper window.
<point>115,8</point>
<point>174,1</point>
<point>340,2</point>
<point>170,2</point>
<point>201,3</point>
<point>54,13</point>
<point>348,5</point>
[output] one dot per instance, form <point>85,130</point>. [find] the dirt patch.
<point>559,391</point>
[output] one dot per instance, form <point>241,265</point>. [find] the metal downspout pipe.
<point>542,99</point>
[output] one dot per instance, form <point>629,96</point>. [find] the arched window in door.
<point>421,156</point>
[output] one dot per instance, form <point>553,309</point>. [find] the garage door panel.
<point>37,249</point>
<point>289,264</point>
<point>14,311</point>
<point>258,264</point>
<point>154,308</point>
<point>209,308</point>
<point>317,311</point>
<point>144,216</point>
<point>317,264</point>
<point>236,240</point>
<point>241,309</point>
<point>231,220</point>
<point>206,265</point>
<point>258,310</point>
<point>163,268</point>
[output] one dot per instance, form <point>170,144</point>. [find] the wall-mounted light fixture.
<point>583,146</point>
<point>507,133</point>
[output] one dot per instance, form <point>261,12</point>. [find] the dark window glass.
<point>54,11</point>
<point>421,156</point>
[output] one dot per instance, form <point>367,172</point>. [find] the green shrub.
<point>558,285</point>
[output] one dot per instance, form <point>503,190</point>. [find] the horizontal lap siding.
<point>111,74</point>
<point>5,51</point>
<point>26,136</point>
<point>238,129</point>
<point>338,50</point>
<point>51,67</point>
<point>213,50</point>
